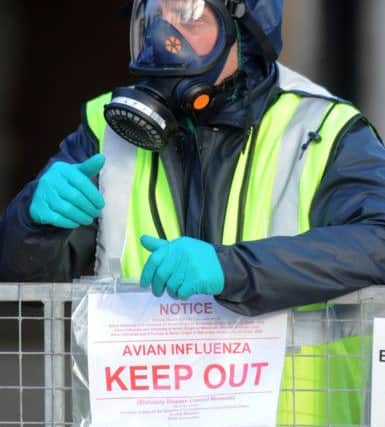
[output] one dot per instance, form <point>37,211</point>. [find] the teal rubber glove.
<point>184,267</point>
<point>66,197</point>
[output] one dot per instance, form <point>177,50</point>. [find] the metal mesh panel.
<point>35,360</point>
<point>35,377</point>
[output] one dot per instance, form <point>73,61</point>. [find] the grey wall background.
<point>340,44</point>
<point>55,55</point>
<point>371,62</point>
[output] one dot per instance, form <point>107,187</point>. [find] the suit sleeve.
<point>31,252</point>
<point>343,251</point>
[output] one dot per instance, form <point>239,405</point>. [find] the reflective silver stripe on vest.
<point>285,200</point>
<point>310,327</point>
<point>290,81</point>
<point>115,181</point>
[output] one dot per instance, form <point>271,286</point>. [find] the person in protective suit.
<point>221,172</point>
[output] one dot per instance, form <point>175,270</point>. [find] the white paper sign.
<point>378,374</point>
<point>161,362</point>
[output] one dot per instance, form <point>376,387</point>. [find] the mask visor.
<point>177,37</point>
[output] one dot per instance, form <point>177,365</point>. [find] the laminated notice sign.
<point>162,362</point>
<point>378,374</point>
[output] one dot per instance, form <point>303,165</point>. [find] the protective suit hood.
<point>267,15</point>
<point>260,34</point>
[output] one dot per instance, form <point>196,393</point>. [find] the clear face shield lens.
<point>175,34</point>
<point>182,12</point>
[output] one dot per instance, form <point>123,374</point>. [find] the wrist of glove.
<point>184,267</point>
<point>65,195</point>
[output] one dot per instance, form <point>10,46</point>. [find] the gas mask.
<point>178,48</point>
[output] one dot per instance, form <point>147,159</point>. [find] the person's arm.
<point>33,252</point>
<point>344,250</point>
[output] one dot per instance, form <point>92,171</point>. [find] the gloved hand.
<point>66,197</point>
<point>184,266</point>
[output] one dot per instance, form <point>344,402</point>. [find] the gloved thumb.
<point>93,165</point>
<point>152,243</point>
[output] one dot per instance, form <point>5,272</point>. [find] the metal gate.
<point>35,358</point>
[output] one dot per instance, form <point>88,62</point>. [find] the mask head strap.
<point>238,11</point>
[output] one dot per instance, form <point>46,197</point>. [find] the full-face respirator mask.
<point>178,48</point>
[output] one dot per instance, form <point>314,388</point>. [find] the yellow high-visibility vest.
<point>275,180</point>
